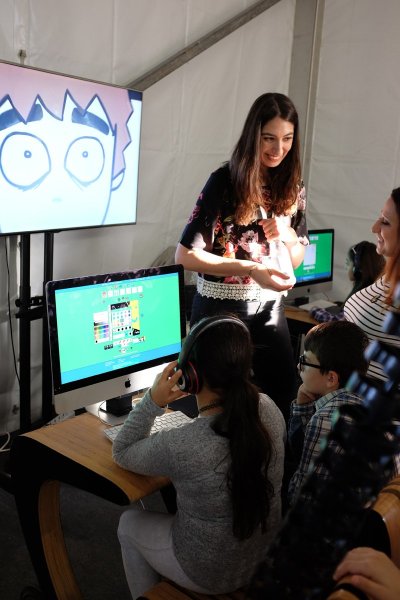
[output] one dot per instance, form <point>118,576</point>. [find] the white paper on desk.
<point>317,304</point>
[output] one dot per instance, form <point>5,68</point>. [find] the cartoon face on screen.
<point>61,152</point>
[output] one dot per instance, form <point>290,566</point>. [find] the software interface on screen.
<point>317,264</point>
<point>115,325</point>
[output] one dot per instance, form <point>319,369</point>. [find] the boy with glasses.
<point>332,351</point>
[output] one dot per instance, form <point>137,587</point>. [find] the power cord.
<point>3,447</point>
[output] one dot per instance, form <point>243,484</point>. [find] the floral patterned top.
<point>211,226</point>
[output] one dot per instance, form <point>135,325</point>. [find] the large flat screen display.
<point>69,152</point>
<point>107,331</point>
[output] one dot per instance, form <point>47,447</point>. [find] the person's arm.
<point>313,432</point>
<point>134,448</point>
<point>323,316</point>
<point>300,415</point>
<point>371,572</point>
<point>202,261</point>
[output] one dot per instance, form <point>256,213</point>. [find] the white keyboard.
<point>168,420</point>
<point>317,304</point>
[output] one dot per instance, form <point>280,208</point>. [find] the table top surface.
<point>298,314</point>
<point>82,440</point>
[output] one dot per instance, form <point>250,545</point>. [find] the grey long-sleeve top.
<point>195,458</point>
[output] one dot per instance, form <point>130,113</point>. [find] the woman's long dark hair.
<point>245,165</point>
<point>222,356</point>
<point>392,271</point>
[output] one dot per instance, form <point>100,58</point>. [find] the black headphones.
<point>357,251</point>
<point>191,379</point>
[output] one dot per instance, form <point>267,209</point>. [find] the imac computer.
<point>315,274</point>
<point>111,334</point>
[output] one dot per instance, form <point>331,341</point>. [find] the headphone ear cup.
<point>192,379</point>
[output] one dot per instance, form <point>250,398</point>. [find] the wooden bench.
<point>168,590</point>
<point>387,506</point>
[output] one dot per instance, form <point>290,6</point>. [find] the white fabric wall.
<point>191,119</point>
<point>355,161</point>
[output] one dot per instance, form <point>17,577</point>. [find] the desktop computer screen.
<point>315,274</point>
<point>110,334</point>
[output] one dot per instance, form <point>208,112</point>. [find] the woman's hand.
<point>372,572</point>
<point>276,229</point>
<point>270,278</point>
<point>164,389</point>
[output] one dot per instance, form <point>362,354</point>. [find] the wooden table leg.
<point>58,563</point>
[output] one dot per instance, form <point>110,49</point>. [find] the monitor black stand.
<point>118,406</point>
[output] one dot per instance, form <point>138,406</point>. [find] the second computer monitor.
<point>315,274</point>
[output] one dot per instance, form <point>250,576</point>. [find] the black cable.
<point>9,311</point>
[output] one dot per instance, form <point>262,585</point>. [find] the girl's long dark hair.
<point>222,355</point>
<point>245,165</point>
<point>367,265</point>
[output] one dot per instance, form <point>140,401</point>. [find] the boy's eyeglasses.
<point>304,363</point>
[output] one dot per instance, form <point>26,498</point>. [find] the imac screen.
<point>105,328</point>
<point>69,151</point>
<point>317,266</point>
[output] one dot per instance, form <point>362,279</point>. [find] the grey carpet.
<point>90,529</point>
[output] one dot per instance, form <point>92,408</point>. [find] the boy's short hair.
<point>339,346</point>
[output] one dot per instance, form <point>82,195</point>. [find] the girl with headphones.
<point>364,267</point>
<point>226,466</point>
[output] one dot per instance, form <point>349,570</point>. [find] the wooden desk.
<point>293,313</point>
<point>76,452</point>
<point>299,322</point>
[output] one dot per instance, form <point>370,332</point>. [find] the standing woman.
<point>251,209</point>
<point>368,307</point>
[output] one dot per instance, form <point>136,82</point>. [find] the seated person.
<point>364,267</point>
<point>332,351</point>
<point>372,572</point>
<point>226,466</point>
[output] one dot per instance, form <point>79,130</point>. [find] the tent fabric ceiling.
<point>191,119</point>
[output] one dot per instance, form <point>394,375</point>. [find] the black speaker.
<point>191,379</point>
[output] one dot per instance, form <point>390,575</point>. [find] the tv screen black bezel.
<point>51,230</point>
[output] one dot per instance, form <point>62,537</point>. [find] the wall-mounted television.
<point>69,151</point>
<point>110,334</point>
<point>315,274</point>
